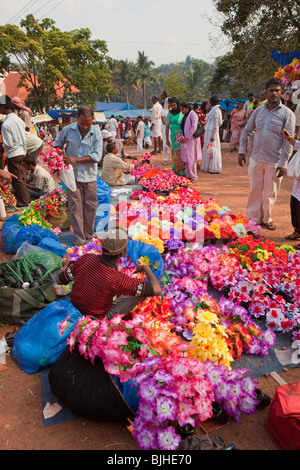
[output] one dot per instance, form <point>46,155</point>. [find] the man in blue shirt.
<point>82,143</point>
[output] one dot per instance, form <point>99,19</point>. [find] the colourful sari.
<point>237,121</point>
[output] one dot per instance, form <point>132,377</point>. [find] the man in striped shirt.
<point>97,280</point>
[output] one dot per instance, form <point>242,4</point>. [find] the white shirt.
<point>296,187</point>
<point>140,128</point>
<point>113,125</point>
<point>297,114</point>
<point>13,135</point>
<point>268,143</point>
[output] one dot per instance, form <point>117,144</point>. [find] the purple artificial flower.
<point>148,390</point>
<point>165,409</point>
<point>146,438</point>
<point>168,439</point>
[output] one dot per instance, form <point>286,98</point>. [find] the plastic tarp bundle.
<point>104,202</point>
<point>136,249</point>
<point>10,229</point>
<point>39,343</point>
<point>14,234</point>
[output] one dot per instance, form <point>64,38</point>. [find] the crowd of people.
<point>190,133</point>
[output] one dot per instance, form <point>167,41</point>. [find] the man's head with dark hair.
<point>29,163</point>
<point>274,81</point>
<point>85,111</point>
<point>274,90</point>
<point>214,100</point>
<point>85,118</point>
<point>6,104</point>
<point>112,147</point>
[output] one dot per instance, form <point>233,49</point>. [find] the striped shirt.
<point>97,281</point>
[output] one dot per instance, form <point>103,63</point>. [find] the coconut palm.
<point>145,74</point>
<point>124,75</point>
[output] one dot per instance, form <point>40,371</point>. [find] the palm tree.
<point>145,74</point>
<point>124,75</point>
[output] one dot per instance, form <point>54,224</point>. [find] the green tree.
<point>173,82</point>
<point>145,75</point>
<point>124,76</point>
<point>50,60</point>
<point>255,29</point>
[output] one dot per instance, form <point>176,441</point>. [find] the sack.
<point>283,424</point>
<point>199,131</point>
<point>226,135</point>
<point>68,177</point>
<point>104,205</point>
<point>61,219</point>
<point>17,304</point>
<point>210,150</point>
<point>34,234</point>
<point>89,391</point>
<point>136,249</point>
<point>10,229</point>
<point>39,343</point>
<point>178,164</point>
<point>293,168</point>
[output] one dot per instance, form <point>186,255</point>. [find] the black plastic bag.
<point>88,390</point>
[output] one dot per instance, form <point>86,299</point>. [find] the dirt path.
<point>21,424</point>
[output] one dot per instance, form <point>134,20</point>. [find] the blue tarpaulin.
<point>63,113</point>
<point>103,106</point>
<point>285,58</point>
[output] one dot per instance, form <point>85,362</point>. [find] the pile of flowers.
<point>181,215</point>
<point>54,159</point>
<point>289,73</point>
<point>48,205</point>
<point>147,156</point>
<point>158,179</point>
<point>171,389</point>
<point>7,196</point>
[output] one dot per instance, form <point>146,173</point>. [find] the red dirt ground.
<point>21,425</point>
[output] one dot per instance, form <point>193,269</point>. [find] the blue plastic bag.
<point>33,234</point>
<point>39,343</point>
<point>104,202</point>
<point>10,229</point>
<point>136,249</point>
<point>53,245</point>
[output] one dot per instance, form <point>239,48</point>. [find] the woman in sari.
<point>236,123</point>
<point>202,113</point>
<point>190,145</point>
<point>173,121</point>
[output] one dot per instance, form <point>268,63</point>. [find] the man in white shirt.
<point>140,131</point>
<point>155,129</point>
<point>113,126</point>
<point>297,117</point>
<point>269,154</point>
<point>14,144</point>
<point>164,112</point>
<point>38,179</point>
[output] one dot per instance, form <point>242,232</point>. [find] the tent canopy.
<point>230,104</point>
<point>110,107</point>
<point>132,114</point>
<point>285,58</point>
<point>41,118</point>
<point>63,113</point>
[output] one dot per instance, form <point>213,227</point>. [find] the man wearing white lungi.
<point>155,129</point>
<point>270,153</point>
<point>140,131</point>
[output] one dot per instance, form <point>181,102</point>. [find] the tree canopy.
<point>52,63</point>
<point>255,29</point>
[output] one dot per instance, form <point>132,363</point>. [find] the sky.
<point>166,30</point>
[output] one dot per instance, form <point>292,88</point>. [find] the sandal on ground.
<point>293,236</point>
<point>269,226</point>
